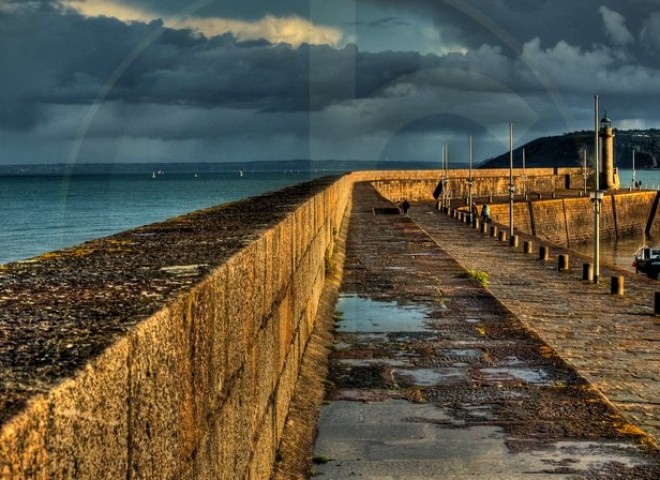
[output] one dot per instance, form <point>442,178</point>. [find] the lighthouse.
<point>609,177</point>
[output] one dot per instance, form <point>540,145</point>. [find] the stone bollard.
<point>616,287</point>
<point>588,272</point>
<point>544,253</point>
<point>477,223</point>
<point>562,262</point>
<point>528,247</point>
<point>513,241</point>
<point>484,228</point>
<point>501,236</point>
<point>493,231</point>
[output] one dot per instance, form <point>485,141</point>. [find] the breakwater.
<point>170,351</point>
<point>173,350</point>
<point>419,185</point>
<point>568,221</point>
<point>550,208</point>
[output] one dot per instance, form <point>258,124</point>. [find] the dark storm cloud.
<point>72,58</point>
<point>174,86</point>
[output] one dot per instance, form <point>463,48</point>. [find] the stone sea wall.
<point>567,221</point>
<point>558,220</point>
<point>201,387</point>
<point>419,185</point>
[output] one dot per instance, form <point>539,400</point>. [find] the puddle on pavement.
<point>431,377</point>
<point>534,376</point>
<point>365,315</point>
<point>359,362</point>
<point>460,352</point>
<point>399,439</point>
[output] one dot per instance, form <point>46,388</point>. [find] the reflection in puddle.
<point>460,352</point>
<point>529,375</point>
<point>366,315</point>
<point>431,377</point>
<point>360,362</point>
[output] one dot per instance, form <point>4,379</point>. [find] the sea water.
<point>46,213</point>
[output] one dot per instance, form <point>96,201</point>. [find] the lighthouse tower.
<point>609,179</point>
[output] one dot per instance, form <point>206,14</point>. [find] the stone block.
<point>23,443</point>
<point>89,424</point>
<point>160,415</point>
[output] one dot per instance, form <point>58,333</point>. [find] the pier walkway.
<point>434,376</point>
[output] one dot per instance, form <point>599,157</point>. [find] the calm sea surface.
<point>42,214</point>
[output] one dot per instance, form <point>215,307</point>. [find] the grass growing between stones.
<point>479,276</point>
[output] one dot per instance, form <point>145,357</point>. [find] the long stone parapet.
<point>169,351</point>
<point>420,185</point>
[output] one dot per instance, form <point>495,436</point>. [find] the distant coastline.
<point>298,166</point>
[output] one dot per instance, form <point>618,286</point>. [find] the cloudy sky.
<point>217,81</point>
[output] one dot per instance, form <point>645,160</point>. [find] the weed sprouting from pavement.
<point>479,276</point>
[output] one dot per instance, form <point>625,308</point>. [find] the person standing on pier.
<point>485,213</point>
<point>405,206</point>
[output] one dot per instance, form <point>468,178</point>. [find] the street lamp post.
<point>524,174</point>
<point>584,170</point>
<point>445,154</point>
<point>512,188</point>
<point>597,196</point>
<point>634,184</point>
<point>470,181</point>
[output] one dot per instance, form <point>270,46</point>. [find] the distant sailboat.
<point>153,174</point>
<point>240,173</point>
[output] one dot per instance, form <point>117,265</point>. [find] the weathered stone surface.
<point>170,351</point>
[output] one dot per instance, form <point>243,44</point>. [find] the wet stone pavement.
<point>431,377</point>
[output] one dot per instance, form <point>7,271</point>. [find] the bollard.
<point>493,231</point>
<point>562,262</point>
<point>616,287</point>
<point>501,236</point>
<point>544,253</point>
<point>484,228</point>
<point>656,308</point>
<point>477,223</point>
<point>513,241</point>
<point>528,246</point>
<point>588,272</point>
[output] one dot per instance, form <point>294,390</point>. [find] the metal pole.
<point>511,187</point>
<point>584,170</point>
<point>524,175</point>
<point>596,194</point>
<point>470,173</point>
<point>633,165</point>
<point>442,178</point>
<point>448,200</point>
